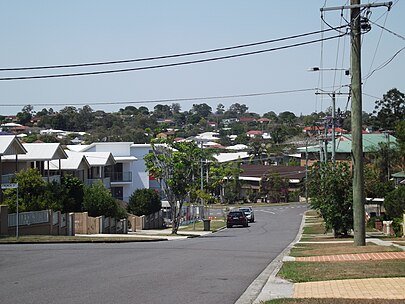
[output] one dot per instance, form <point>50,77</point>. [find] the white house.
<point>129,173</point>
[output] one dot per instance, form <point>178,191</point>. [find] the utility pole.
<point>333,127</point>
<point>306,170</point>
<point>356,120</point>
<point>357,137</point>
<point>333,122</point>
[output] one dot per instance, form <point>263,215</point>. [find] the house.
<point>206,137</point>
<point>238,147</point>
<point>10,146</point>
<point>166,135</point>
<point>252,175</point>
<point>76,165</point>
<point>129,172</point>
<point>38,155</point>
<point>113,163</point>
<point>255,134</point>
<point>229,121</point>
<point>264,120</point>
<point>232,156</point>
<point>343,147</point>
<point>247,119</point>
<point>399,178</point>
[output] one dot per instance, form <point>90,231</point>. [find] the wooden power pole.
<point>357,137</point>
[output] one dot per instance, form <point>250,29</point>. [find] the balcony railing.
<point>7,178</point>
<point>120,176</point>
<point>51,179</point>
<point>106,182</point>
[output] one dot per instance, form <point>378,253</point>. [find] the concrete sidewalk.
<point>379,288</point>
<point>373,288</point>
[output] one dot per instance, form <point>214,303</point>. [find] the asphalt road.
<point>212,269</point>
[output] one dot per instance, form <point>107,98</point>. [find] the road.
<point>212,269</point>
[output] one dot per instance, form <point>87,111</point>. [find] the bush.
<point>98,201</point>
<point>330,190</point>
<point>397,226</point>
<point>144,202</point>
<point>394,203</point>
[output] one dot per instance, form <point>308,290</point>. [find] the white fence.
<point>28,218</point>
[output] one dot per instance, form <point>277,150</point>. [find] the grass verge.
<point>324,271</point>
<point>199,226</point>
<point>70,239</point>
<point>305,250</point>
<point>334,301</point>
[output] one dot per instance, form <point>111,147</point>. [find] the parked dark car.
<point>236,217</point>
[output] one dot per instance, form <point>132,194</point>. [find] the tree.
<point>385,157</point>
<point>330,190</point>
<point>400,133</point>
<point>25,115</point>
<point>98,201</point>
<point>220,109</point>
<point>287,117</point>
<point>237,109</point>
<point>176,166</point>
<point>75,190</point>
<point>144,202</point>
<point>34,193</point>
<point>394,203</point>
<point>374,185</point>
<point>273,187</point>
<point>175,107</point>
<point>390,109</point>
<point>162,111</point>
<point>257,152</point>
<point>272,116</point>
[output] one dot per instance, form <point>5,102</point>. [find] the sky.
<point>47,33</point>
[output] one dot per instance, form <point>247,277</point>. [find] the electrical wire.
<point>389,31</point>
<point>172,99</point>
<point>169,64</point>
<point>337,55</point>
<point>383,65</point>
<point>164,56</point>
<point>376,49</point>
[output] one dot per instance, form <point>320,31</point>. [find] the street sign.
<point>9,186</point>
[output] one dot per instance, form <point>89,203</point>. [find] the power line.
<point>389,31</point>
<point>170,64</point>
<point>383,65</point>
<point>167,56</point>
<point>171,99</point>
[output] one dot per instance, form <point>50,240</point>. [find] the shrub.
<point>394,203</point>
<point>98,201</point>
<point>144,202</point>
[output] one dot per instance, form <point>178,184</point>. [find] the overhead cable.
<point>170,99</point>
<point>169,64</point>
<point>167,56</point>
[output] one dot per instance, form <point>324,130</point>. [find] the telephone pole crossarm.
<point>368,5</point>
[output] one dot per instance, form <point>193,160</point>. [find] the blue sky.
<point>39,32</point>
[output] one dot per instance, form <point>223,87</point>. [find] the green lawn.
<point>326,244</point>
<point>324,271</point>
<point>199,226</point>
<point>69,239</point>
<point>305,250</point>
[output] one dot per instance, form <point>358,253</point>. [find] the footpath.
<point>371,288</point>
